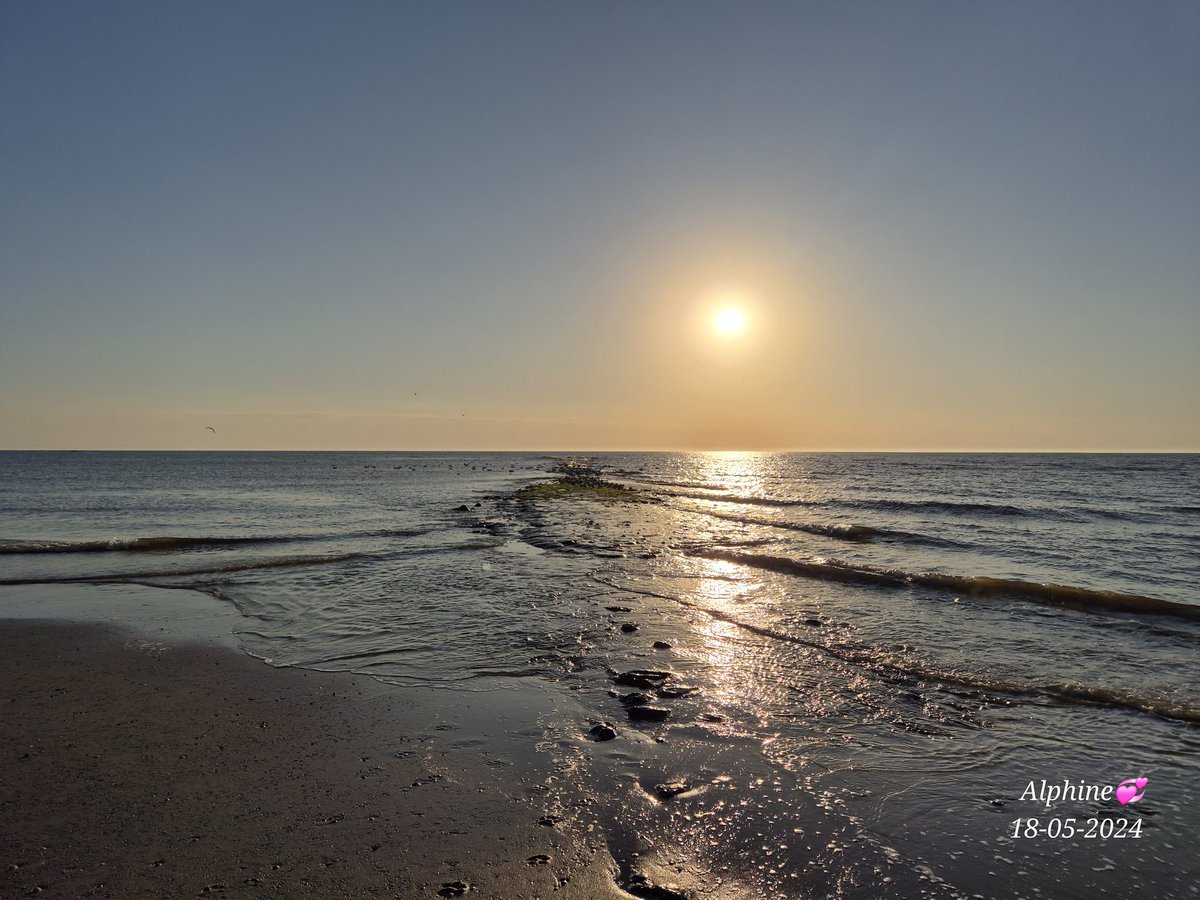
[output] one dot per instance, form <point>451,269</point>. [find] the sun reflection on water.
<point>736,471</point>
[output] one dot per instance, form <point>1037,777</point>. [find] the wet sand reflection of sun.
<point>739,674</point>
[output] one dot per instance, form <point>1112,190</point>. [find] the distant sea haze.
<point>848,643</point>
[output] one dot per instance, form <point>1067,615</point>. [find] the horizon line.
<point>1010,452</point>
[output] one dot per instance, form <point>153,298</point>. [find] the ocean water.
<point>871,656</point>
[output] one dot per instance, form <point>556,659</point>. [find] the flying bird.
<point>210,428</point>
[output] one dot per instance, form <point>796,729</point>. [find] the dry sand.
<point>131,767</point>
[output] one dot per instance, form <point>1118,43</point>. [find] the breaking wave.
<point>129,577</point>
<point>841,531</point>
<point>976,586</point>
<point>161,543</point>
<point>947,506</point>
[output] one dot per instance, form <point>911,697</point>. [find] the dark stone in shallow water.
<point>603,732</point>
<point>462,508</point>
<point>637,698</point>
<point>641,886</point>
<point>815,623</point>
<point>661,645</point>
<point>670,789</point>
<point>619,608</point>
<point>678,690</point>
<point>629,627</point>
<point>648,713</point>
<point>642,678</point>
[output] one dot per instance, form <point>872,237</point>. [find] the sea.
<point>867,662</point>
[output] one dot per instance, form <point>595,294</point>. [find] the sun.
<point>730,320</point>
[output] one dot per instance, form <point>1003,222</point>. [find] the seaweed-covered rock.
<point>579,486</point>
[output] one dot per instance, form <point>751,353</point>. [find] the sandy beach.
<point>131,766</point>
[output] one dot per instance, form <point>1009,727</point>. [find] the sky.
<point>481,225</point>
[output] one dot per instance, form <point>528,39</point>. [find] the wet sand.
<point>131,766</point>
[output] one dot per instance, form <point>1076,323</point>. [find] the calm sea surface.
<point>884,649</point>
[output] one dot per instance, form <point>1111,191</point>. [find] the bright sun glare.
<point>730,321</point>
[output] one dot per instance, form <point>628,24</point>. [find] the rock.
<point>641,886</point>
<point>629,627</point>
<point>603,732</point>
<point>648,713</point>
<point>478,504</point>
<point>661,645</point>
<point>670,789</point>
<point>619,608</point>
<point>454,889</point>
<point>549,821</point>
<point>676,690</point>
<point>642,678</point>
<point>636,698</point>
<point>539,859</point>
<point>815,623</point>
<point>461,508</point>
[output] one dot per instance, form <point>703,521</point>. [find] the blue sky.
<point>505,225</point>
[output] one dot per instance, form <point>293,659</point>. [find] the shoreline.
<point>133,766</point>
<point>789,736</point>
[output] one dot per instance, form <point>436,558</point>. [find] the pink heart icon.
<point>1125,793</point>
<point>1141,783</point>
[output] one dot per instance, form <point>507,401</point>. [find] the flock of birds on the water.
<point>450,466</point>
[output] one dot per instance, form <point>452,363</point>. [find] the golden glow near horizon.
<point>730,320</point>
